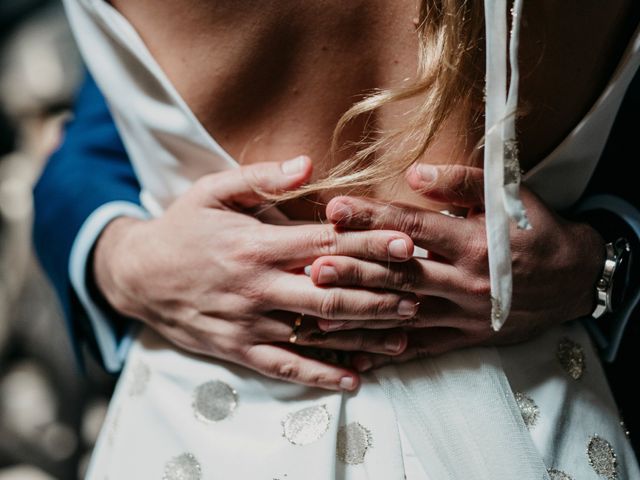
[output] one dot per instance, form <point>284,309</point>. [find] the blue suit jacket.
<point>90,169</point>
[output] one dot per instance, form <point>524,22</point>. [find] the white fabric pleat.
<point>461,418</point>
<point>501,201</point>
<point>512,202</point>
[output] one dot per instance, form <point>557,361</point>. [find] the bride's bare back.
<point>270,79</point>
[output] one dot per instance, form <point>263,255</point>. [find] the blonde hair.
<point>448,76</point>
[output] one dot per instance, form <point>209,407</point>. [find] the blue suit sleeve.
<point>89,170</point>
<point>613,197</point>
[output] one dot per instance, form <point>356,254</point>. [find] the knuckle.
<point>381,309</point>
<point>252,299</point>
<point>413,224</point>
<point>355,274</point>
<point>375,246</point>
<point>226,347</point>
<point>251,251</point>
<point>327,242</point>
<point>286,371</point>
<point>359,343</point>
<point>366,217</point>
<point>477,251</point>
<point>329,305</point>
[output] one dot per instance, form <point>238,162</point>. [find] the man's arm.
<point>87,182</point>
<point>619,215</point>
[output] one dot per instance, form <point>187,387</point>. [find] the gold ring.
<point>293,338</point>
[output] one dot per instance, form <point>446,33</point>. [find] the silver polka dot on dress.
<point>307,425</point>
<point>182,467</point>
<point>528,408</point>
<point>602,458</point>
<point>140,375</point>
<point>354,441</point>
<point>558,475</point>
<point>571,357</point>
<point>214,401</point>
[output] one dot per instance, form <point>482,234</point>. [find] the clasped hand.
<point>214,280</point>
<point>555,267</point>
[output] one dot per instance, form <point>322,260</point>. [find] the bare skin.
<point>256,76</point>
<point>217,281</point>
<point>270,79</point>
<point>453,283</point>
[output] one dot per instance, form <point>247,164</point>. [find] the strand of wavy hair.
<point>449,33</point>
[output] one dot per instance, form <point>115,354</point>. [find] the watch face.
<point>620,279</point>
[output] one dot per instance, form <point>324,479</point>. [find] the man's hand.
<point>555,267</point>
<point>214,280</point>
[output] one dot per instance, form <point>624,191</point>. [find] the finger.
<point>432,231</point>
<point>296,293</point>
<point>389,342</point>
<point>459,185</point>
<point>280,363</point>
<point>245,187</point>
<point>432,343</point>
<point>278,327</point>
<point>433,312</point>
<point>304,243</point>
<point>419,276</point>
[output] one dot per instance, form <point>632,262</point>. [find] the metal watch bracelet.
<point>617,253</point>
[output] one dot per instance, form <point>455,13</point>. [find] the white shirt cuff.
<point>113,352</point>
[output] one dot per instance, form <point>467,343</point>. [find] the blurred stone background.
<point>50,413</point>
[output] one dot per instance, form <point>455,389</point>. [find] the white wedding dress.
<point>540,410</point>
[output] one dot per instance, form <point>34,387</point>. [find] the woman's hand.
<point>214,280</point>
<point>555,267</point>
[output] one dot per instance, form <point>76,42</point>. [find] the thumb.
<point>246,186</point>
<point>459,185</point>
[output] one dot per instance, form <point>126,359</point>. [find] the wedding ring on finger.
<point>293,338</point>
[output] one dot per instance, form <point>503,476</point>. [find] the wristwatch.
<point>612,285</point>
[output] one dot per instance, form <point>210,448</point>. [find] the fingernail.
<point>394,342</point>
<point>428,173</point>
<point>398,248</point>
<point>407,307</point>
<point>362,364</point>
<point>347,383</point>
<point>294,166</point>
<point>327,274</point>
<point>341,213</point>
